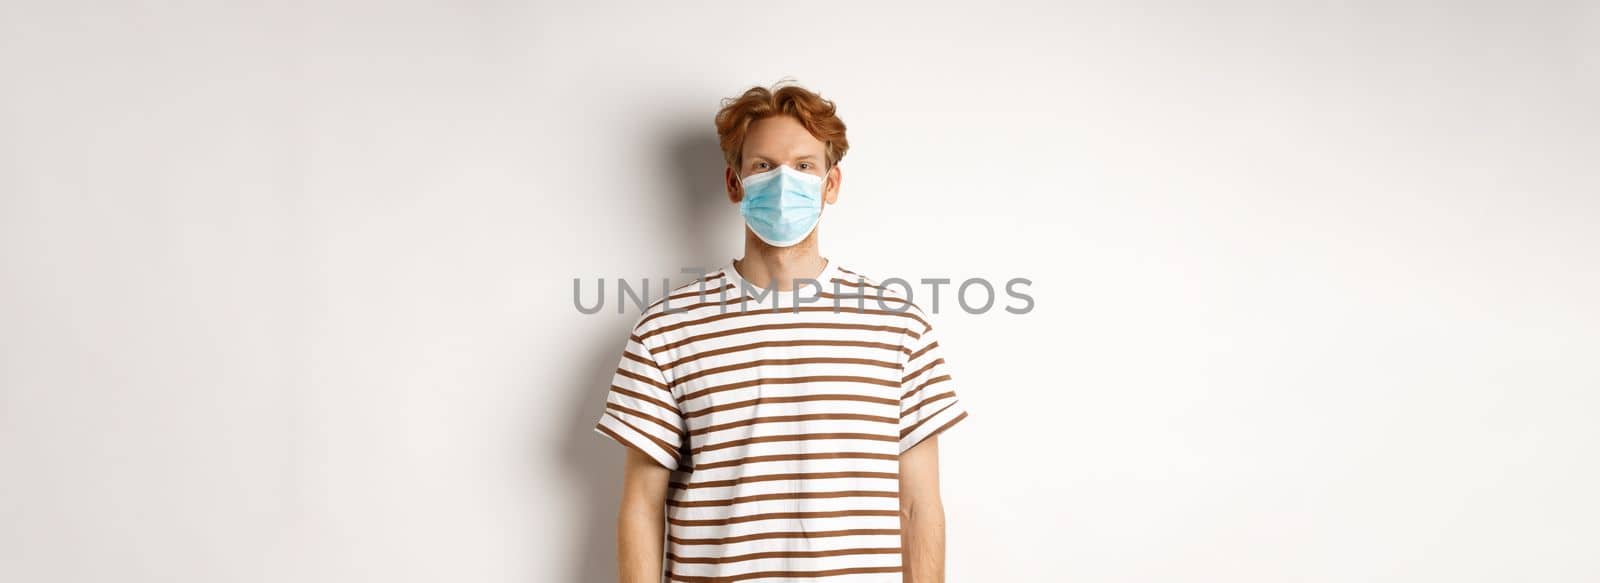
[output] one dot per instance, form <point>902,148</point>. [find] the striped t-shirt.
<point>783,428</point>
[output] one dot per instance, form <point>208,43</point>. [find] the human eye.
<point>805,165</point>
<point>762,165</point>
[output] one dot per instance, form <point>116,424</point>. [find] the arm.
<point>921,513</point>
<point>641,519</point>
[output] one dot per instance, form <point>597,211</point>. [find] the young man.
<point>780,413</point>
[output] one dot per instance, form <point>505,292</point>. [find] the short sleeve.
<point>928,403</point>
<point>640,410</point>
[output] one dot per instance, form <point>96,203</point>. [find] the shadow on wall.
<point>592,463</point>
<point>705,212</point>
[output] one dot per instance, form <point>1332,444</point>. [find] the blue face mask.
<point>781,205</point>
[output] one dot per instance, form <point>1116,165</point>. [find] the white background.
<point>287,287</point>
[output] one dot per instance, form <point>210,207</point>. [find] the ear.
<point>830,185</point>
<point>730,180</point>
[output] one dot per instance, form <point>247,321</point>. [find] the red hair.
<point>813,112</point>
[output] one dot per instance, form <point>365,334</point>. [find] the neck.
<point>777,267</point>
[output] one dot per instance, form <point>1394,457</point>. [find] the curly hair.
<point>813,112</point>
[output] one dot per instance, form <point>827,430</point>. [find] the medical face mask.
<point>781,205</point>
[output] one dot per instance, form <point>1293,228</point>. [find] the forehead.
<point>781,137</point>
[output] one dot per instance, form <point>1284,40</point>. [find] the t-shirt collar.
<point>830,270</point>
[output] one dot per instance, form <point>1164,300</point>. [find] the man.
<point>780,413</point>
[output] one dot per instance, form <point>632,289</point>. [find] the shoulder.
<point>670,306</point>
<point>891,294</point>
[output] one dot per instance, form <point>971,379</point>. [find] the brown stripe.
<point>783,457</point>
<point>779,310</point>
<point>793,437</point>
<point>789,381</point>
<point>935,415</point>
<point>783,534</point>
<point>783,555</point>
<point>643,397</point>
<point>779,516</point>
<point>861,296</point>
<point>624,441</point>
<point>667,447</point>
<point>641,360</point>
<point>930,346</point>
<point>695,293</point>
<point>913,409</point>
<point>646,417</point>
<point>787,418</point>
<point>697,284</point>
<point>933,381</point>
<point>739,301</point>
<point>856,284</point>
<point>925,367</point>
<point>791,326</point>
<point>941,428</point>
<point>781,574</point>
<point>781,477</point>
<point>880,298</point>
<point>783,496</point>
<point>881,290</point>
<point>641,378</point>
<point>793,399</point>
<point>778,343</point>
<point>783,361</point>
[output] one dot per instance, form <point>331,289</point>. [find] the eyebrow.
<point>811,157</point>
